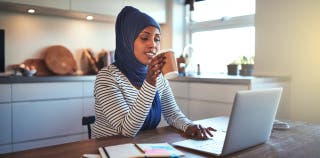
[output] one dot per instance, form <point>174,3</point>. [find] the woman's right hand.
<point>154,68</point>
<point>196,131</point>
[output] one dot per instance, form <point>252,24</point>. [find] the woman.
<point>131,94</point>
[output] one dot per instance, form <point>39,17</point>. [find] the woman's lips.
<point>151,54</point>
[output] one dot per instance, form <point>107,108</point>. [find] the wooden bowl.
<point>60,60</point>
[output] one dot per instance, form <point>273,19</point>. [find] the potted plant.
<point>233,68</point>
<point>247,66</point>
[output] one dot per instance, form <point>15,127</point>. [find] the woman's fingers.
<point>199,132</point>
<point>156,65</point>
<point>154,68</point>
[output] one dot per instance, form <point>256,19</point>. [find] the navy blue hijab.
<point>130,22</point>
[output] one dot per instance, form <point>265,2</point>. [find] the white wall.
<point>288,43</point>
<point>26,36</point>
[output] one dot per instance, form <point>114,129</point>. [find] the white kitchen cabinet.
<point>215,92</point>
<point>155,8</point>
<point>45,142</point>
<point>183,105</point>
<point>5,93</point>
<point>88,106</point>
<point>40,120</point>
<point>88,88</point>
<point>179,89</point>
<point>43,91</point>
<point>88,103</point>
<point>5,124</point>
<point>5,148</point>
<point>203,109</point>
<point>199,100</point>
<point>105,7</point>
<point>5,118</point>
<point>57,4</point>
<point>43,119</point>
<point>211,97</point>
<point>43,113</point>
<point>103,10</point>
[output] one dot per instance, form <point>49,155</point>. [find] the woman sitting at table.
<point>132,94</point>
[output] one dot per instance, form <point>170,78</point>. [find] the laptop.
<point>249,124</point>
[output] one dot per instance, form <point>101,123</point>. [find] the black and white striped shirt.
<point>121,108</point>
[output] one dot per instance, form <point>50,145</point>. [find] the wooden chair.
<point>88,120</point>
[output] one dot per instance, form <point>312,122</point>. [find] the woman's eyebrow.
<point>146,32</point>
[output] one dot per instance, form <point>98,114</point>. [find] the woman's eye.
<point>144,38</point>
<point>157,39</point>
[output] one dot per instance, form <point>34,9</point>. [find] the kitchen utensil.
<point>88,63</point>
<point>60,60</point>
<point>39,65</point>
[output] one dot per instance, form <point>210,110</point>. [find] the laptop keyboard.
<point>210,144</point>
<point>214,144</point>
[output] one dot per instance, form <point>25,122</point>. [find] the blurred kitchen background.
<point>281,37</point>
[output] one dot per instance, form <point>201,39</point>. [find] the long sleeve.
<point>170,109</point>
<point>120,107</point>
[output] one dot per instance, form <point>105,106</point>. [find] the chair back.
<point>88,120</point>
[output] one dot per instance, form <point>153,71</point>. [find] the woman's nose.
<point>152,43</point>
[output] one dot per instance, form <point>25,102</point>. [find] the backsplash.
<point>27,36</point>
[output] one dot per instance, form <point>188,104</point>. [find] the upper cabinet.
<point>105,7</point>
<point>155,8</point>
<point>57,4</point>
<point>104,10</point>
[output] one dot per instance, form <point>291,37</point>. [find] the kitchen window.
<point>219,33</point>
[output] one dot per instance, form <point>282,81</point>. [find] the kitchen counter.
<point>36,79</point>
<point>228,79</point>
<point>223,79</point>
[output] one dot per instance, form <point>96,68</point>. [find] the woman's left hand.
<point>198,132</point>
<point>154,68</point>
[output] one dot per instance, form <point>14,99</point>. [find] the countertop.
<point>229,79</point>
<point>220,78</point>
<point>36,79</point>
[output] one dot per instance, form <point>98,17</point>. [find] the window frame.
<point>217,24</point>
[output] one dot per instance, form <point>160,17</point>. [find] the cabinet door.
<point>44,91</point>
<point>183,105</point>
<point>179,89</point>
<point>215,92</point>
<point>88,88</point>
<point>57,4</point>
<point>5,93</point>
<point>46,119</point>
<point>88,106</point>
<point>45,142</point>
<point>5,123</point>
<point>212,100</point>
<point>154,8</point>
<point>105,7</point>
<point>7,148</point>
<point>202,109</point>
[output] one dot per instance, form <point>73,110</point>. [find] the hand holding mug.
<point>154,68</point>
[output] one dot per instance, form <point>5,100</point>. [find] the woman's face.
<point>147,44</point>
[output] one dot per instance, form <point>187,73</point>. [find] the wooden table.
<point>301,140</point>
